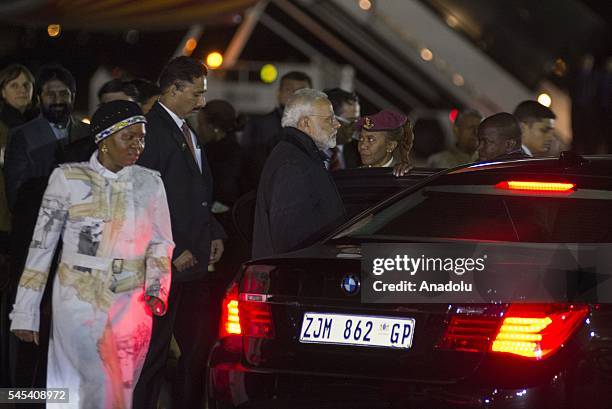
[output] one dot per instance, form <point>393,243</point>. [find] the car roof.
<point>568,164</point>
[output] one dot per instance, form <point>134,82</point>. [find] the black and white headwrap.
<point>114,116</point>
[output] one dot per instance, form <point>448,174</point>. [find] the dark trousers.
<point>27,362</point>
<point>192,317</point>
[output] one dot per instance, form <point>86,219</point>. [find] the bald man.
<point>499,137</point>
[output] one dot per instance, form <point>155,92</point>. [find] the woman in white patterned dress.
<point>114,269</point>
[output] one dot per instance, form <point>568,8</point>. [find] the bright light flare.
<point>54,30</point>
<point>190,45</point>
<point>365,5</point>
<point>426,54</point>
<point>214,60</point>
<point>268,73</point>
<point>545,99</point>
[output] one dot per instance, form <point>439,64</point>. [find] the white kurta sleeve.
<point>49,226</point>
<point>159,251</point>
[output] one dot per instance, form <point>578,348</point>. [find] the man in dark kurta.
<point>297,198</point>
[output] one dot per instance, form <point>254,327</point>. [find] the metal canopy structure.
<point>120,14</point>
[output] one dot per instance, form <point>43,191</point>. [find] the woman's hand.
<point>26,335</point>
<point>156,306</point>
<point>402,169</point>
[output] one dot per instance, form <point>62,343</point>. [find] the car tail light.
<point>245,311</point>
<point>536,186</point>
<point>528,330</point>
<point>470,333</point>
<point>230,314</point>
<point>537,330</point>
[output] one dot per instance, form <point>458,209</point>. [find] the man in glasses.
<point>34,147</point>
<point>297,198</point>
<point>347,109</point>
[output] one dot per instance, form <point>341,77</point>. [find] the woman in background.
<point>16,108</point>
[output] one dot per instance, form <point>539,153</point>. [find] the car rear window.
<point>435,213</point>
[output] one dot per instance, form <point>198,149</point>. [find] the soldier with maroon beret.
<point>385,140</point>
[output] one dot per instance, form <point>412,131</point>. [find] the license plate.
<point>362,330</point>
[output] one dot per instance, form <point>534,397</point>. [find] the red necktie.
<point>187,135</point>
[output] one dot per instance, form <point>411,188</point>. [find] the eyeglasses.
<point>328,118</point>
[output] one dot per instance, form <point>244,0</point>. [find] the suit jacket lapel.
<point>178,136</point>
<point>73,131</point>
<point>49,135</point>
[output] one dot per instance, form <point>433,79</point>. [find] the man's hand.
<point>185,260</point>
<point>156,306</point>
<point>402,169</point>
<point>216,251</point>
<point>26,336</point>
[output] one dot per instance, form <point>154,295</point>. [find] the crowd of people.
<point>112,234</point>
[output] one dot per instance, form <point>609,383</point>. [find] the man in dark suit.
<point>347,109</point>
<point>34,150</point>
<point>297,198</point>
<point>172,148</point>
<point>537,127</point>
<point>499,138</point>
<point>263,132</point>
<point>36,147</point>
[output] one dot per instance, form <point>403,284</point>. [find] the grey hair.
<point>300,104</point>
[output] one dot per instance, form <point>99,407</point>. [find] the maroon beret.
<point>382,121</point>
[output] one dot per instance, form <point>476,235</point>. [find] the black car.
<point>269,354</point>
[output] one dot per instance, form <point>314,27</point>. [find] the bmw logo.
<point>350,284</point>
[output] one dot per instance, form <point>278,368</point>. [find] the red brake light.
<point>537,330</point>
<point>529,330</point>
<point>230,316</point>
<point>534,186</point>
<point>245,310</point>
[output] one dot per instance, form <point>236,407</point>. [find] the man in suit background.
<point>34,150</point>
<point>537,127</point>
<point>347,109</point>
<point>263,132</point>
<point>499,138</point>
<point>172,148</point>
<point>36,147</point>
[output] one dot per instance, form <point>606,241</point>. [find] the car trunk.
<point>315,288</point>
